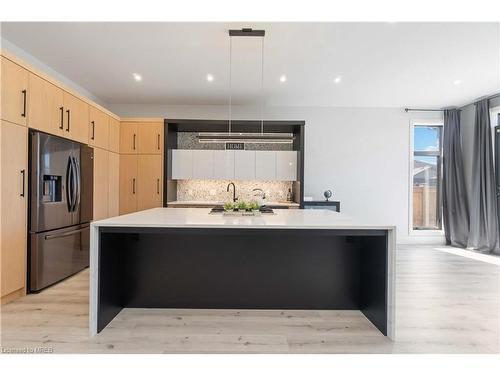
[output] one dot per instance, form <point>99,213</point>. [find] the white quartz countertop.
<point>215,203</point>
<point>200,218</point>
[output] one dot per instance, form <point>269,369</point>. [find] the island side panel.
<point>374,280</point>
<point>94,278</point>
<point>113,268</point>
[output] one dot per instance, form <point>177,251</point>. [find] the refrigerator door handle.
<point>78,183</point>
<point>69,184</point>
<point>65,234</point>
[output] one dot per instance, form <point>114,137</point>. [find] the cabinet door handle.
<point>62,118</point>
<point>133,186</point>
<point>23,172</point>
<point>134,142</point>
<point>158,141</point>
<point>93,130</point>
<point>24,103</point>
<point>158,186</point>
<point>69,118</point>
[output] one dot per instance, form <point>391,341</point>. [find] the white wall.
<point>360,153</point>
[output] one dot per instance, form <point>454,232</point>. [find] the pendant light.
<point>258,137</point>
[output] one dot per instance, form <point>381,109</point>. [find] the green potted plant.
<point>241,206</point>
<point>254,206</point>
<point>228,206</point>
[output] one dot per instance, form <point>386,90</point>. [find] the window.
<point>426,177</point>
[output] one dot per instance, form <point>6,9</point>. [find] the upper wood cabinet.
<point>76,118</point>
<point>98,128</point>
<point>114,135</point>
<point>149,182</point>
<point>128,138</point>
<point>14,92</point>
<point>13,200</point>
<point>45,110</point>
<point>128,184</point>
<point>150,138</point>
<point>101,183</point>
<point>113,184</point>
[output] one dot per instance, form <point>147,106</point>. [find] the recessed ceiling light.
<point>457,82</point>
<point>337,79</point>
<point>210,78</point>
<point>283,78</point>
<point>137,77</point>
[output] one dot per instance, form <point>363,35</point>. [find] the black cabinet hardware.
<point>93,130</point>
<point>68,113</point>
<point>134,142</point>
<point>24,103</point>
<point>158,186</point>
<point>133,186</point>
<point>62,117</point>
<point>158,141</point>
<point>23,172</point>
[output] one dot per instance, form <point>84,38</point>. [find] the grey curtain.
<point>455,208</point>
<point>483,234</point>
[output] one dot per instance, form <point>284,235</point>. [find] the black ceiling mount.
<point>247,32</point>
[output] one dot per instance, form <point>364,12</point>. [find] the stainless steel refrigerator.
<point>60,208</point>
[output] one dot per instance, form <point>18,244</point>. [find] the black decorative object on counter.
<point>328,194</point>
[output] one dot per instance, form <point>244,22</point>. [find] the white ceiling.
<point>381,64</point>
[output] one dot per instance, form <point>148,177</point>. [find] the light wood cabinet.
<point>45,110</point>
<point>76,118</point>
<point>14,92</point>
<point>114,135</point>
<point>150,138</point>
<point>98,128</point>
<point>13,200</point>
<point>113,184</point>
<point>149,182</point>
<point>128,138</point>
<point>128,184</point>
<point>101,183</point>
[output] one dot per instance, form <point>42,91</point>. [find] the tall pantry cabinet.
<point>141,164</point>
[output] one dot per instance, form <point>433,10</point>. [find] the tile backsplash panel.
<point>215,190</point>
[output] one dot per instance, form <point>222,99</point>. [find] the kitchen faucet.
<point>234,191</point>
<point>261,192</point>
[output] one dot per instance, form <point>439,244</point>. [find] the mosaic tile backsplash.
<point>215,190</point>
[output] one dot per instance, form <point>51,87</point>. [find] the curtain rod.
<point>422,110</point>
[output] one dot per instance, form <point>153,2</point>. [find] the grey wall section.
<point>23,55</point>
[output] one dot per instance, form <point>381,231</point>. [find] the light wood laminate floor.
<point>445,303</point>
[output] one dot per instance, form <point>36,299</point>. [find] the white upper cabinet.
<point>224,164</point>
<point>182,164</point>
<point>244,165</point>
<point>286,165</point>
<point>265,165</point>
<point>237,165</point>
<point>203,164</point>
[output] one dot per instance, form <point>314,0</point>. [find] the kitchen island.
<point>292,259</point>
